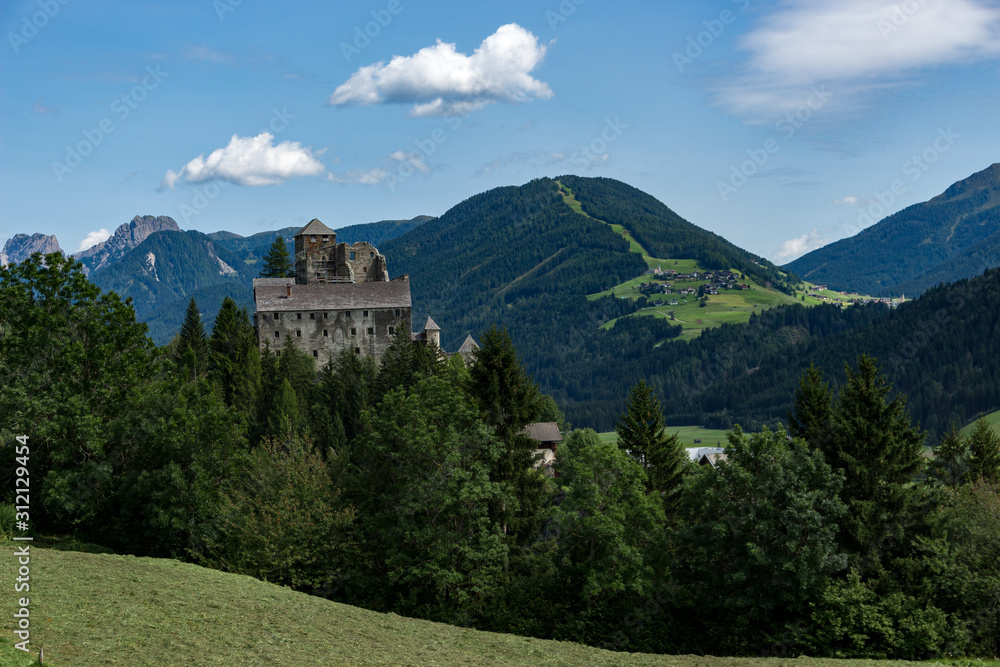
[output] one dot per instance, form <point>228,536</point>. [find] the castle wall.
<point>325,333</point>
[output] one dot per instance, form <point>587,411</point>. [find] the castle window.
<point>371,254</point>
<point>326,333</point>
<point>277,333</point>
<point>354,332</point>
<point>326,315</point>
<point>298,333</point>
<point>357,350</point>
<point>364,313</point>
<point>347,314</point>
<point>312,239</point>
<point>398,312</point>
<point>371,331</point>
<point>276,317</point>
<point>392,331</point>
<point>325,239</point>
<point>315,353</point>
<point>298,316</point>
<point>312,316</point>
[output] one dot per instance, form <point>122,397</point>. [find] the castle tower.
<point>433,332</point>
<point>314,247</point>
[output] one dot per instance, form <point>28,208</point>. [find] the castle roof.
<point>333,296</point>
<point>468,346</point>
<point>272,282</point>
<point>430,325</point>
<point>315,227</point>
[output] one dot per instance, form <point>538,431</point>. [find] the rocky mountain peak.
<point>125,238</point>
<point>22,246</point>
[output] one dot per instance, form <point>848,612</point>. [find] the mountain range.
<point>953,236</point>
<point>544,260</point>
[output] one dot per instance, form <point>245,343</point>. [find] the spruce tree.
<point>509,400</point>
<point>984,453</point>
<point>192,348</point>
<point>642,435</point>
<point>879,451</point>
<point>951,464</point>
<point>277,263</point>
<point>235,357</point>
<point>812,416</point>
<point>285,419</point>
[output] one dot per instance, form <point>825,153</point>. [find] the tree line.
<point>408,486</point>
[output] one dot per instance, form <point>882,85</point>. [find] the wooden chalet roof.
<point>544,432</point>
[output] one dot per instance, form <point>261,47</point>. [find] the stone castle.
<point>340,298</point>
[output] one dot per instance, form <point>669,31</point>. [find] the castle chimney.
<point>289,294</point>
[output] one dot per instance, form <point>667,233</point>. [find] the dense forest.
<point>952,236</point>
<point>408,485</point>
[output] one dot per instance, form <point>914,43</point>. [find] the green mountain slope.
<point>950,237</point>
<point>523,258</point>
<point>942,351</point>
<point>90,610</point>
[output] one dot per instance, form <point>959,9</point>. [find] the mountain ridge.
<point>918,247</point>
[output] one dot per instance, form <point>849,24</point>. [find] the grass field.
<point>687,436</point>
<point>731,306</point>
<point>99,609</point>
<point>993,418</point>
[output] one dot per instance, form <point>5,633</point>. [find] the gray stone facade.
<point>341,298</point>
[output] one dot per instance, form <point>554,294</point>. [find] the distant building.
<point>341,298</point>
<point>548,436</point>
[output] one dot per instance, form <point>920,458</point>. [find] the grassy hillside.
<point>993,418</point>
<point>729,307</point>
<point>98,609</point>
<point>687,435</point>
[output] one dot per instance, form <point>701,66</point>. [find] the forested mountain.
<point>163,271</point>
<point>522,258</point>
<point>942,351</point>
<point>953,236</point>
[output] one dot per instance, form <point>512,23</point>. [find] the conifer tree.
<point>812,415</point>
<point>235,357</point>
<point>509,401</point>
<point>277,263</point>
<point>984,453</point>
<point>285,419</point>
<point>642,435</point>
<point>879,451</point>
<point>951,464</point>
<point>192,348</point>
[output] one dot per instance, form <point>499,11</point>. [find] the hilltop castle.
<point>340,298</point>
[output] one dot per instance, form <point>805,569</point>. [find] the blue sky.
<point>779,125</point>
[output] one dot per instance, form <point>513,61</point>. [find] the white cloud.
<point>206,54</point>
<point>252,161</point>
<point>93,238</point>
<point>850,200</point>
<point>794,248</point>
<point>856,46</point>
<point>379,175</point>
<point>437,80</point>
